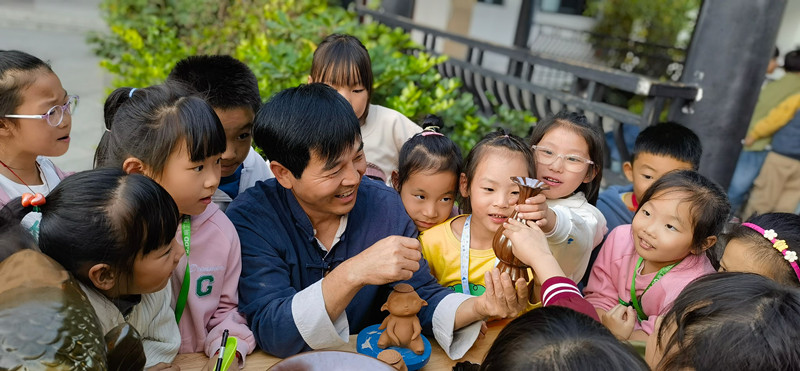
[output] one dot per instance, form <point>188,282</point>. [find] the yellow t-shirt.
<point>442,250</point>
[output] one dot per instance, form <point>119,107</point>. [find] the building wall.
<point>789,33</point>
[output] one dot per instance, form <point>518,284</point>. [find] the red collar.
<point>634,202</point>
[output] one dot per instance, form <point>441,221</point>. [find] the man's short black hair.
<point>224,81</point>
<point>672,140</point>
<point>297,121</point>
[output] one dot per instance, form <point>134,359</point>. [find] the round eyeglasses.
<point>55,114</point>
<point>572,163</point>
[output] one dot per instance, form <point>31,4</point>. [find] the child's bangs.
<point>342,65</point>
<point>342,73</point>
<point>204,134</point>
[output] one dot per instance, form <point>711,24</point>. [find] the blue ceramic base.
<point>367,343</point>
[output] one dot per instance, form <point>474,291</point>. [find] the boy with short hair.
<point>658,150</point>
<point>231,88</point>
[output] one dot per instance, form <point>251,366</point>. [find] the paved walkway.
<point>55,31</point>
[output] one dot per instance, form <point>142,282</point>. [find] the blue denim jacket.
<point>281,257</point>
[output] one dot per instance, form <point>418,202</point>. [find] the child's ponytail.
<point>110,108</point>
<point>12,236</point>
<point>147,124</point>
<point>13,212</point>
<point>428,150</point>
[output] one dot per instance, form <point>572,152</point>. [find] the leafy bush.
<point>277,40</point>
<point>644,36</point>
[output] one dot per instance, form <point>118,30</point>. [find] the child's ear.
<point>627,168</point>
<point>133,165</point>
<point>463,185</point>
<point>590,174</point>
<point>283,175</point>
<point>310,81</point>
<point>102,276</point>
<point>709,241</point>
<point>396,180</point>
<point>6,128</point>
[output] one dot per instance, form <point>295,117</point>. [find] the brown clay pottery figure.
<point>393,358</point>
<point>401,327</point>
<point>46,322</point>
<point>125,348</point>
<point>502,246</point>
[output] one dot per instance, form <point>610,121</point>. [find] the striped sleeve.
<point>562,291</point>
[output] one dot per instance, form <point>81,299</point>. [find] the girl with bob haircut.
<point>342,62</point>
<point>115,234</point>
<point>176,138</point>
<point>729,321</point>
<point>643,266</point>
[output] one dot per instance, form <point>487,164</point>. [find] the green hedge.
<point>277,40</point>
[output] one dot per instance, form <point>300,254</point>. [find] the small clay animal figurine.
<point>502,246</point>
<point>401,327</point>
<point>393,358</point>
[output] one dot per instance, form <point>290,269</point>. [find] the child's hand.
<point>749,140</point>
<point>535,208</point>
<point>620,320</point>
<point>502,298</point>
<point>527,239</point>
<point>530,247</point>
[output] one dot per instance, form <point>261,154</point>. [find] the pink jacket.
<point>215,263</point>
<point>612,274</point>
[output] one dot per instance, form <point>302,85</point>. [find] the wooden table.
<point>259,360</point>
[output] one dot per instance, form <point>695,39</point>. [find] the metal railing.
<point>580,86</point>
<point>649,59</point>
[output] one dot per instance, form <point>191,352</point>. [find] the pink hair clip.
<point>431,130</point>
<point>426,133</point>
<point>779,245</point>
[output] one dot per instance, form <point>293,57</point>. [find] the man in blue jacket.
<point>322,245</point>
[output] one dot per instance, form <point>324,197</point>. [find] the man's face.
<point>329,190</point>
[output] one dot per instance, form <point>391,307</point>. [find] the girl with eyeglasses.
<point>568,154</point>
<point>35,121</point>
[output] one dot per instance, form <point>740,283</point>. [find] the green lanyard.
<point>634,299</point>
<point>186,233</point>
